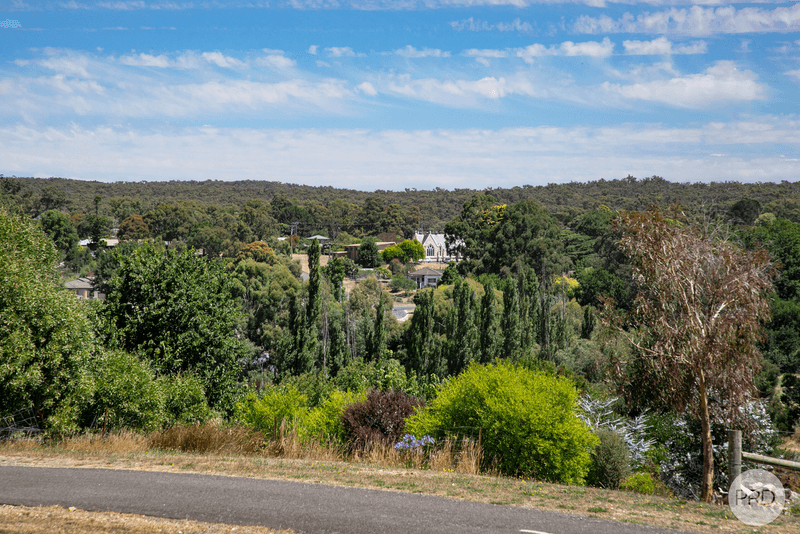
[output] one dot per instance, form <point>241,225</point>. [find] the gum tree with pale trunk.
<point>695,323</point>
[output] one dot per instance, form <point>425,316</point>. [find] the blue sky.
<point>394,94</point>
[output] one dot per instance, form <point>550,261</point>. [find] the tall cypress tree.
<point>489,324</point>
<point>314,280</point>
<point>464,341</point>
<point>512,330</point>
<point>422,344</point>
<point>377,338</point>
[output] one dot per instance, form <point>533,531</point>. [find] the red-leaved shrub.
<point>381,417</point>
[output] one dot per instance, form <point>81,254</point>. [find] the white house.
<point>426,277</point>
<point>435,247</point>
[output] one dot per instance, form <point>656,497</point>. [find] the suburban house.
<point>426,277</point>
<point>435,247</point>
<point>352,250</point>
<point>84,288</point>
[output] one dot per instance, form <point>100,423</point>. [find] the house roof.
<point>80,283</point>
<point>438,239</point>
<point>425,272</point>
<point>320,238</point>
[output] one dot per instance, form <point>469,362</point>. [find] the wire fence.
<point>21,424</point>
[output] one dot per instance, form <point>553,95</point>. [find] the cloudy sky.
<point>394,94</point>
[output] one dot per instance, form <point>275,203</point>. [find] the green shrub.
<point>324,422</point>
<point>639,483</point>
<point>610,461</point>
<point>274,405</point>
<point>528,421</point>
<point>126,386</point>
<point>185,400</point>
<point>385,375</point>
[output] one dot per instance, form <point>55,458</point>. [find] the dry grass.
<point>57,520</point>
<point>208,438</point>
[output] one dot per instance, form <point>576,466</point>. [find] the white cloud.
<point>225,62</point>
<point>720,83</point>
<point>663,46</point>
<point>411,52</point>
<point>567,48</point>
<point>313,49</point>
<point>367,88</point>
<point>395,159</point>
<point>340,51</point>
<point>275,61</point>
<point>145,60</point>
<point>461,93</point>
<point>68,65</point>
<point>794,74</point>
<point>476,25</point>
<point>696,20</point>
<point>475,52</point>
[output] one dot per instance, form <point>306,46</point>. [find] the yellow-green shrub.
<point>528,422</point>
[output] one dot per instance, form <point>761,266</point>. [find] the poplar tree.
<point>489,325</point>
<point>422,343</point>
<point>463,334</point>
<point>512,330</point>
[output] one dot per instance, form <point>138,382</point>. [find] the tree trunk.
<point>708,451</point>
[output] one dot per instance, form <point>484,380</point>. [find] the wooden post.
<point>105,420</point>
<point>734,454</point>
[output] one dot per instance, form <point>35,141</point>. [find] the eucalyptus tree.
<point>696,323</point>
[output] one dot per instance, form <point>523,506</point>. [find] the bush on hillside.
<point>124,387</point>
<point>528,421</point>
<point>276,403</point>
<point>610,461</point>
<point>379,418</point>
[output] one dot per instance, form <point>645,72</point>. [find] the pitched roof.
<point>425,272</point>
<point>80,283</point>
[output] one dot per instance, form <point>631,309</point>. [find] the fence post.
<point>734,454</point>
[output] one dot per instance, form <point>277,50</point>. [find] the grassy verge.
<point>379,470</point>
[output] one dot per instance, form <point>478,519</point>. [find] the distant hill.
<point>439,206</point>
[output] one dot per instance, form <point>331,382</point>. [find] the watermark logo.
<point>756,497</point>
<point>10,24</point>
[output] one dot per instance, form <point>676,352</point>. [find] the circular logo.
<point>756,497</point>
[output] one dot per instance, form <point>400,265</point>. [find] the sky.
<point>396,94</point>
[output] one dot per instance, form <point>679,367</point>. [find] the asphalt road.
<point>307,508</point>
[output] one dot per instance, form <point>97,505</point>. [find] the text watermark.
<point>756,497</point>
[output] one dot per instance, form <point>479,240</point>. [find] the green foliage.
<point>412,250</point>
<point>126,386</point>
<point>393,252</point>
<point>597,284</point>
<point>184,400</point>
<point>59,228</point>
<point>368,255</point>
<point>528,421</point>
<point>266,412</point>
<point>45,339</point>
<point>265,291</point>
<point>401,282</point>
<point>449,275</point>
<point>639,483</point>
<point>610,461</point>
<point>382,375</point>
<point>177,312</point>
<point>324,422</point>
